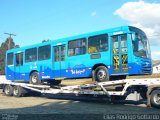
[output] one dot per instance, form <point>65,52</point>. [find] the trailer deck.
<point>127,89</point>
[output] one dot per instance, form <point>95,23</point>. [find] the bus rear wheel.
<point>8,90</point>
<point>34,78</point>
<point>101,74</point>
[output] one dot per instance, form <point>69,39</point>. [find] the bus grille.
<point>146,66</point>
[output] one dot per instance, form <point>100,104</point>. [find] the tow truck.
<point>144,89</point>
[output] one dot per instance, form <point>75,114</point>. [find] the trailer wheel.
<point>8,90</point>
<point>155,98</point>
<point>34,78</point>
<point>17,91</point>
<point>101,74</point>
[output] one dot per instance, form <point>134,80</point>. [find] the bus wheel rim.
<point>101,74</point>
<point>34,78</point>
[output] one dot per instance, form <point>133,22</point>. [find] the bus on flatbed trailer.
<point>102,55</point>
<point>146,90</point>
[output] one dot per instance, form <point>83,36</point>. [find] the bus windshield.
<point>140,43</point>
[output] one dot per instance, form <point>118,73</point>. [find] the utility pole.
<point>10,37</point>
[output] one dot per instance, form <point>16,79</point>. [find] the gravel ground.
<point>31,107</point>
<point>42,105</point>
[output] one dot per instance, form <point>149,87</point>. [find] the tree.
<point>8,44</point>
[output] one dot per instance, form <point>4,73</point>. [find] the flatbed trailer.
<point>146,89</point>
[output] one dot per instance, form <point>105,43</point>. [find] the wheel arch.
<point>33,72</point>
<point>97,65</point>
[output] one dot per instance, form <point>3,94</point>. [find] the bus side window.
<point>77,47</point>
<point>98,43</point>
<point>63,53</point>
<point>30,55</point>
<point>10,58</point>
<point>44,52</point>
<point>124,43</point>
<point>19,59</point>
<point>56,54</point>
<point>115,44</point>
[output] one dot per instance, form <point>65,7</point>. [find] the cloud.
<point>143,15</point>
<point>94,13</point>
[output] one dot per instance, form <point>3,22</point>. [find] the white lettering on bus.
<point>45,76</point>
<point>78,71</point>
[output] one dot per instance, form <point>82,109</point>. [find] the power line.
<point>10,37</point>
<point>10,34</point>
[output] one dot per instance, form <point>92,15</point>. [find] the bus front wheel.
<point>34,78</point>
<point>101,74</point>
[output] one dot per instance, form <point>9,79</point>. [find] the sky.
<point>35,20</point>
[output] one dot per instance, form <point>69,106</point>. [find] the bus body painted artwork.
<point>103,55</point>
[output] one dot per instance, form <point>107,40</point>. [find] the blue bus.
<point>102,55</point>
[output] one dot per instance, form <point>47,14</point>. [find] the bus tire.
<point>8,90</point>
<point>34,78</point>
<point>101,74</point>
<point>17,91</point>
<point>155,98</point>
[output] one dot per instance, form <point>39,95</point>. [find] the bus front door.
<point>59,61</point>
<point>119,54</point>
<point>18,65</point>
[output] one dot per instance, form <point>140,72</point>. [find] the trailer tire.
<point>17,91</point>
<point>155,98</point>
<point>101,74</point>
<point>34,78</point>
<point>8,90</point>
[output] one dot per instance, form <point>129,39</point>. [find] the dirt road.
<point>33,106</point>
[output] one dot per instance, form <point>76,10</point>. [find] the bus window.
<point>77,47</point>
<point>10,59</point>
<point>98,43</point>
<point>56,55</point>
<point>115,44</point>
<point>63,52</point>
<point>59,53</point>
<point>31,55</point>
<point>44,52</point>
<point>19,59</point>
<point>124,43</point>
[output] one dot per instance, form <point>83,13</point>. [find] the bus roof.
<point>111,30</point>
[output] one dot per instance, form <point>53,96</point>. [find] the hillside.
<point>155,62</point>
